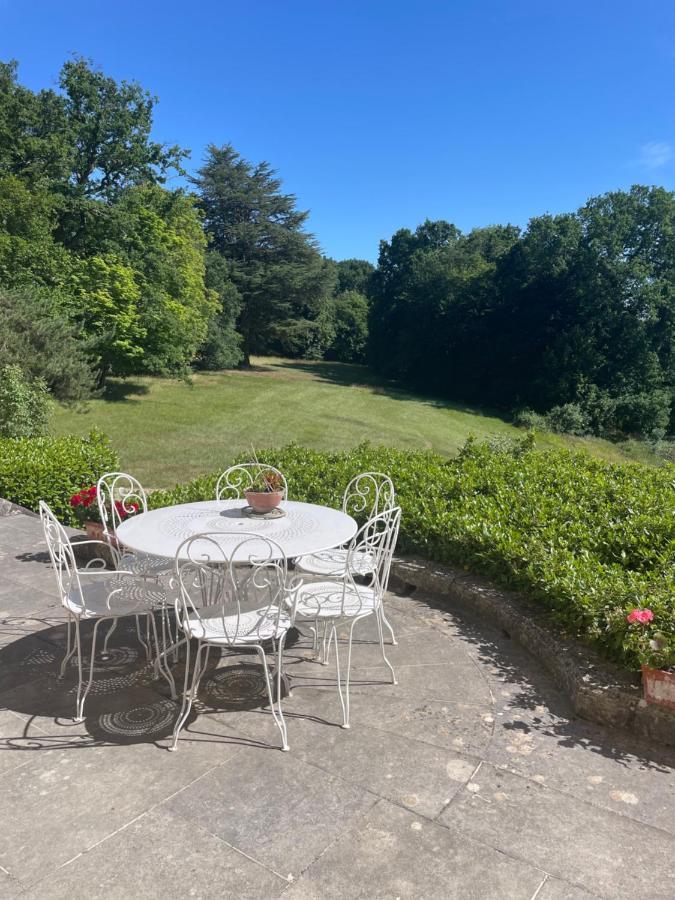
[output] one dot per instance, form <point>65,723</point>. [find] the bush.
<point>569,418</point>
<point>24,404</point>
<point>588,540</point>
<point>53,469</point>
<point>528,418</point>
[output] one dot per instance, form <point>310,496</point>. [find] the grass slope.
<point>167,431</point>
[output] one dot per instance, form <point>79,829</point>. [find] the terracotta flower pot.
<point>658,687</point>
<point>94,530</point>
<point>263,501</point>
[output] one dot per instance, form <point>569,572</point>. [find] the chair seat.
<point>333,600</point>
<point>134,598</point>
<point>251,627</point>
<point>334,562</point>
<point>144,564</point>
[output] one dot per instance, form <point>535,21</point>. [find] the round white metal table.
<point>306,527</point>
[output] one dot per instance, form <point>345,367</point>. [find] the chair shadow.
<point>126,704</point>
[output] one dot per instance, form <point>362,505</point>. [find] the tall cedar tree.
<point>280,276</point>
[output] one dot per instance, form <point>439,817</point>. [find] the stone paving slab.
<point>601,851</point>
<point>161,855</point>
<point>470,778</point>
<point>394,853</point>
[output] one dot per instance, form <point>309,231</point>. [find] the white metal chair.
<point>235,480</point>
<point>346,599</point>
<point>233,606</point>
<point>367,495</point>
<point>120,495</point>
<point>93,592</point>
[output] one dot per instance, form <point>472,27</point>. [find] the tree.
<point>275,265</point>
<point>108,128</point>
<point>354,275</point>
<point>350,324</point>
<point>222,347</point>
<point>144,299</point>
<point>38,337</point>
<point>33,131</point>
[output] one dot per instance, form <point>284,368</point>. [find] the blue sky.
<point>377,114</point>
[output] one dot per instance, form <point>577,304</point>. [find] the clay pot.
<point>263,501</point>
<point>94,530</point>
<point>658,687</point>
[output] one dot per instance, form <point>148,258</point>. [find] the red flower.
<point>643,616</point>
<point>75,500</point>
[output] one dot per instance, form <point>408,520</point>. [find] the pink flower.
<point>643,616</point>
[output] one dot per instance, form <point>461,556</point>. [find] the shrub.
<point>569,418</point>
<point>528,418</point>
<point>24,404</point>
<point>53,469</point>
<point>588,540</point>
<point>646,414</point>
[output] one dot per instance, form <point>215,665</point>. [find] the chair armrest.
<point>114,553</point>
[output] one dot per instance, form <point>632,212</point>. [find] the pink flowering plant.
<point>653,646</point>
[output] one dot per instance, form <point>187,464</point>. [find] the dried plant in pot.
<point>265,492</point>
<point>656,651</point>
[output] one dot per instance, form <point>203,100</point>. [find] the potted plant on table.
<point>85,506</point>
<point>656,652</point>
<point>266,490</point>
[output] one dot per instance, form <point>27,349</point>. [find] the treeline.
<point>570,323</point>
<point>107,270</point>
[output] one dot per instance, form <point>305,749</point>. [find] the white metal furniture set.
<point>216,577</point>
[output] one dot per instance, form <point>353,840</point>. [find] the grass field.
<point>168,431</point>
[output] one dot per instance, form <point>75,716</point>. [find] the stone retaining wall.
<point>598,690</point>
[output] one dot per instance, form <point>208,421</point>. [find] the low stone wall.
<point>598,690</point>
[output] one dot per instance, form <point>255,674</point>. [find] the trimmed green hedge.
<point>586,539</point>
<point>53,469</point>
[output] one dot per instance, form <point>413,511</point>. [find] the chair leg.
<point>82,695</point>
<point>345,706</point>
<point>164,669</point>
<point>277,713</point>
<point>385,621</point>
<point>379,616</point>
<point>104,654</point>
<point>201,668</point>
<point>143,643</point>
<point>71,647</point>
<point>188,695</point>
<point>324,659</point>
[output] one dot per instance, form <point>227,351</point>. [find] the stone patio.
<point>470,779</point>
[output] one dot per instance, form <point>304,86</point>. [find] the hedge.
<point>588,540</point>
<point>53,469</point>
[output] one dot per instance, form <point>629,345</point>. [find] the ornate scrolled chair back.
<point>235,480</point>
<point>60,552</point>
<point>119,495</point>
<point>376,541</point>
<point>369,494</point>
<point>240,596</point>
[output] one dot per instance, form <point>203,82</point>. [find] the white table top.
<point>306,528</point>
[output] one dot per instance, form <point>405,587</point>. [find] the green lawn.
<point>168,431</point>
